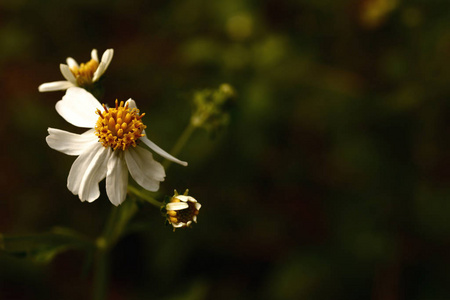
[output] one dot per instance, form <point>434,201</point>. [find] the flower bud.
<point>182,210</point>
<point>212,106</point>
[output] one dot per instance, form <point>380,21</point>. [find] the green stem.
<point>115,225</point>
<point>118,219</point>
<point>184,137</point>
<point>144,196</point>
<point>101,274</point>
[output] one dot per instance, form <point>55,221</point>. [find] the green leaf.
<point>42,248</point>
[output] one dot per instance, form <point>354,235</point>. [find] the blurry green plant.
<point>210,113</point>
<point>211,108</point>
<point>42,248</point>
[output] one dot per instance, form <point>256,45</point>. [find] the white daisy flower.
<point>80,75</point>
<point>182,210</point>
<point>110,148</point>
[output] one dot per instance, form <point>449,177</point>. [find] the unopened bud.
<point>182,210</point>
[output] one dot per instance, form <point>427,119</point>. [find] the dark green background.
<point>330,182</point>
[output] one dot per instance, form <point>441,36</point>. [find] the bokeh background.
<point>331,180</point>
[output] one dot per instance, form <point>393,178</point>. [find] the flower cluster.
<point>84,75</point>
<point>98,151</point>
<point>113,145</point>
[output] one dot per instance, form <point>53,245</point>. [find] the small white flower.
<point>80,75</point>
<point>110,148</point>
<point>182,210</point>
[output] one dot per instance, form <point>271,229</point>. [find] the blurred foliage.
<point>331,180</point>
<point>211,108</point>
<point>42,248</point>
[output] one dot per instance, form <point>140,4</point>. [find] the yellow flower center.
<point>85,72</point>
<point>119,127</point>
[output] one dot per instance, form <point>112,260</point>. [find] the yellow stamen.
<point>85,72</point>
<point>113,132</point>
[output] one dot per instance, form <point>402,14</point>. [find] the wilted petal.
<point>65,71</point>
<point>55,86</point>
<point>106,60</point>
<point>70,143</point>
<point>87,171</point>
<point>79,107</point>
<point>117,178</point>
<point>161,152</point>
<point>143,168</point>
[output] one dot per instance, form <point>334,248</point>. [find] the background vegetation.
<point>330,182</point>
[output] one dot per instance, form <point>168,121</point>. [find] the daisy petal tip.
<point>104,63</point>
<point>94,54</point>
<point>131,103</point>
<point>91,199</point>
<point>115,204</point>
<point>109,54</point>
<point>161,152</point>
<point>182,163</point>
<point>55,86</point>
<point>67,73</point>
<point>71,62</point>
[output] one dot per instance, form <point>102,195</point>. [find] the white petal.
<point>186,198</point>
<point>178,225</point>
<point>143,168</point>
<point>90,131</point>
<point>87,171</point>
<point>78,107</point>
<point>106,60</point>
<point>177,206</point>
<point>161,152</point>
<point>107,56</point>
<point>72,62</point>
<point>131,103</point>
<point>94,55</point>
<point>70,143</point>
<point>194,218</point>
<point>117,178</point>
<point>153,146</point>
<point>197,206</point>
<point>55,86</point>
<point>65,71</point>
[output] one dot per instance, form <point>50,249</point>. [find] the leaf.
<point>42,248</point>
